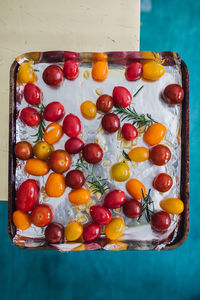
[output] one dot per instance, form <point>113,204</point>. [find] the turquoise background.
<point>170,25</point>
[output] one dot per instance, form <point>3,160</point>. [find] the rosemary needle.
<point>41,127</point>
<point>145,202</point>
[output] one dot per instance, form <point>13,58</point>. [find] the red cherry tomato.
<point>114,199</point>
<point>70,69</point>
<point>121,96</point>
<point>54,233</point>
<point>100,215</point>
<point>110,122</point>
<point>134,71</point>
<point>75,179</point>
<point>163,182</point>
<point>32,94</point>
<point>129,132</point>
<point>104,103</point>
<point>71,55</point>
<point>74,145</point>
<point>23,150</point>
<point>91,232</point>
<point>54,111</point>
<point>41,215</point>
<point>72,125</point>
<point>53,75</point>
<point>27,195</point>
<point>160,221</point>
<point>59,161</point>
<point>159,155</point>
<point>173,94</point>
<point>132,208</point>
<point>30,116</point>
<point>92,153</point>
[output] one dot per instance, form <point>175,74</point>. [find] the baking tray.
<point>121,58</point>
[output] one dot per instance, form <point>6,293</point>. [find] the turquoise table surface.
<point>170,25</point>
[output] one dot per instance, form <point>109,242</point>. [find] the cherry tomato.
<point>88,110</point>
<point>172,206</point>
<point>115,228</point>
<point>54,233</point>
<point>159,155</point>
<point>155,134</point>
<point>70,69</point>
<point>32,94</point>
<point>114,199</point>
<point>75,179</point>
<point>132,208</point>
<point>71,55</point>
<point>36,167</point>
<point>55,185</point>
<point>100,70</point>
<point>120,171</point>
<point>100,215</point>
<point>104,103</point>
<point>41,215</point>
<point>26,73</point>
<point>21,220</point>
<point>42,150</point>
<point>160,221</point>
<point>30,116</point>
<point>100,56</point>
<point>23,150</point>
<point>162,182</point>
<point>54,111</point>
<point>173,94</point>
<point>73,231</point>
<point>134,71</point>
<point>121,96</point>
<point>74,145</point>
<point>91,232</point>
<point>27,195</point>
<point>92,153</point>
<point>59,161</point>
<point>110,123</point>
<point>53,75</point>
<point>79,196</point>
<point>135,187</point>
<point>152,70</point>
<point>139,154</point>
<point>53,133</point>
<point>72,125</point>
<point>129,132</point>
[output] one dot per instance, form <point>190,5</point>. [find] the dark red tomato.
<point>163,182</point>
<point>75,179</point>
<point>53,75</point>
<point>129,132</point>
<point>121,96</point>
<point>54,111</point>
<point>72,125</point>
<point>91,232</point>
<point>70,69</point>
<point>74,145</point>
<point>30,116</point>
<point>159,155</point>
<point>23,150</point>
<point>160,221</point>
<point>100,215</point>
<point>134,71</point>
<point>173,94</point>
<point>27,195</point>
<point>92,153</point>
<point>110,123</point>
<point>104,103</point>
<point>32,94</point>
<point>114,199</point>
<point>132,208</point>
<point>71,55</point>
<point>54,233</point>
<point>41,215</point>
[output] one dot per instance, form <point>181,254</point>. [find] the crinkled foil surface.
<point>71,94</point>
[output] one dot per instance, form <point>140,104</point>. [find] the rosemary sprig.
<point>138,91</point>
<point>145,203</point>
<point>98,184</point>
<point>41,126</point>
<point>126,155</point>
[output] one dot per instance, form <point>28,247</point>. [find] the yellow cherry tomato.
<point>120,171</point>
<point>100,70</point>
<point>42,150</point>
<point>115,228</point>
<point>79,196</point>
<point>155,134</point>
<point>55,185</point>
<point>73,231</point>
<point>26,73</point>
<point>21,220</point>
<point>88,110</point>
<point>53,133</point>
<point>139,154</point>
<point>36,167</point>
<point>135,187</point>
<point>152,70</point>
<point>172,206</point>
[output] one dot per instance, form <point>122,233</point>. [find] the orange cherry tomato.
<point>134,188</point>
<point>154,134</point>
<point>79,196</point>
<point>152,70</point>
<point>139,154</point>
<point>21,220</point>
<point>73,231</point>
<point>115,228</point>
<point>26,73</point>
<point>36,167</point>
<point>100,56</point>
<point>88,110</point>
<point>174,206</point>
<point>100,70</point>
<point>53,133</point>
<point>55,185</point>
